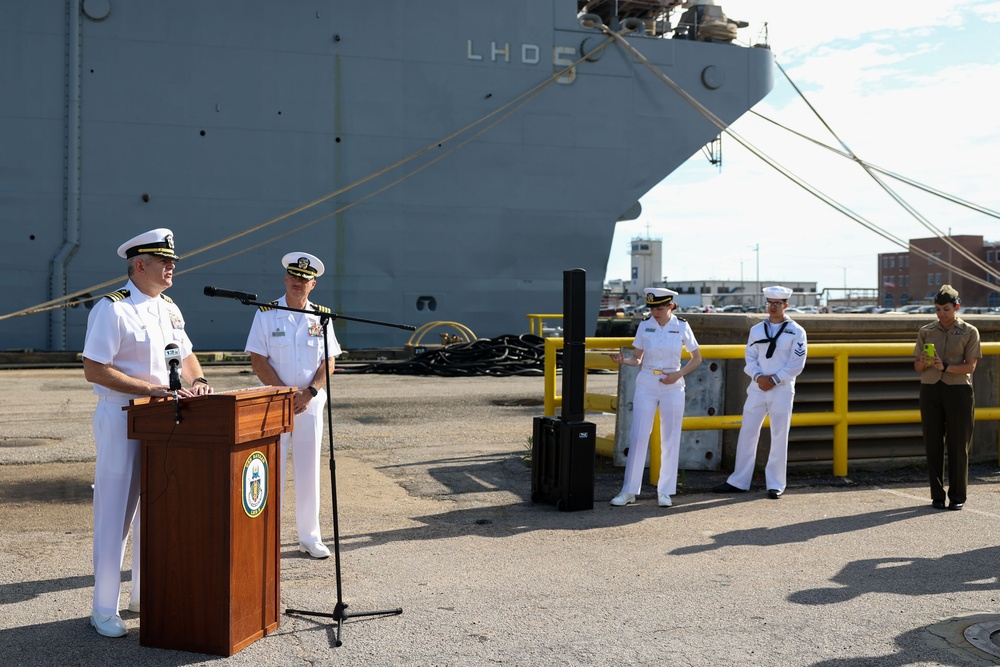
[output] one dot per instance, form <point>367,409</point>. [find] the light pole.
<point>743,300</point>
<point>846,295</point>
<point>949,256</point>
<point>756,298</point>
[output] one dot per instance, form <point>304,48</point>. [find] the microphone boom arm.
<point>327,316</point>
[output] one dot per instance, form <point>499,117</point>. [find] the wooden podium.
<point>210,547</point>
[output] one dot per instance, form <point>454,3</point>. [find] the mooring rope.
<point>503,356</point>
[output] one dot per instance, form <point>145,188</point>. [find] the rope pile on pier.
<point>503,356</point>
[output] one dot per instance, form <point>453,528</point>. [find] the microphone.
<point>173,356</point>
<point>229,294</point>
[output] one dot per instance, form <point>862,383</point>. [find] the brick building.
<point>907,277</point>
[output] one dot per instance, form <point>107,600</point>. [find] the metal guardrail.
<point>840,418</point>
<point>536,322</point>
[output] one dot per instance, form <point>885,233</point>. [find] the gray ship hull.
<point>212,117</point>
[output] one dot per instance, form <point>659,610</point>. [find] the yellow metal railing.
<point>840,418</point>
<point>536,322</point>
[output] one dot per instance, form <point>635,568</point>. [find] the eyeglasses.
<point>775,304</point>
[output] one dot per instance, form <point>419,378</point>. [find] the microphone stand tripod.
<point>340,613</point>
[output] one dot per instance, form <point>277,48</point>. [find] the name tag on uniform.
<point>651,329</point>
<point>278,334</point>
<point>315,330</point>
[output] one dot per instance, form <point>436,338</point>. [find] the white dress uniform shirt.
<point>662,346</point>
<point>132,334</point>
<point>292,342</point>
<point>789,356</point>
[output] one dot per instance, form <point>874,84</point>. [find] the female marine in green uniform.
<point>947,402</point>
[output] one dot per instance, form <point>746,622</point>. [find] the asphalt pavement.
<point>433,491</point>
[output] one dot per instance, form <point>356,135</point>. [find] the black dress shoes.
<point>937,504</point>
<point>726,487</point>
<point>954,506</point>
<point>774,494</point>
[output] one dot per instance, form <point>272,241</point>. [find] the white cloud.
<point>989,11</point>
<point>902,85</point>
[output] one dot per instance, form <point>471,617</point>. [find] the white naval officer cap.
<point>777,292</point>
<point>159,242</point>
<point>659,296</point>
<point>303,265</point>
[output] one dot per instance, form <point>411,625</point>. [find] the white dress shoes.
<point>109,626</point>
<point>133,605</point>
<point>623,499</point>
<point>317,550</point>
<point>664,501</point>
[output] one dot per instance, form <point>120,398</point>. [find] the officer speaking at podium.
<point>133,334</point>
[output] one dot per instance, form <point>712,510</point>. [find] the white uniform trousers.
<point>305,440</point>
<point>116,500</point>
<point>776,403</point>
<point>650,393</point>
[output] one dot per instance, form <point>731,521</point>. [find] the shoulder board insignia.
<point>321,309</point>
<point>682,319</point>
<point>264,309</point>
<point>166,298</point>
<point>119,295</point>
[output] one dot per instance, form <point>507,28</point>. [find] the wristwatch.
<point>312,390</point>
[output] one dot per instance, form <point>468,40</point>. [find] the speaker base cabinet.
<point>562,463</point>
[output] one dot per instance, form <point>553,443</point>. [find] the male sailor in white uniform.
<point>286,349</point>
<point>125,357</point>
<point>775,355</point>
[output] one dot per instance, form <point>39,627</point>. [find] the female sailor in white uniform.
<point>660,384</point>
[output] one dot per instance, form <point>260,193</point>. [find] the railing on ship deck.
<point>536,322</point>
<point>839,418</point>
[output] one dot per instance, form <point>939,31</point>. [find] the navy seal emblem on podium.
<point>255,484</point>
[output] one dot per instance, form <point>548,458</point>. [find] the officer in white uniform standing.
<point>660,384</point>
<point>125,357</point>
<point>775,355</point>
<point>286,349</point>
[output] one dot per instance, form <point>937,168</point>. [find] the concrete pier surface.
<point>433,489</point>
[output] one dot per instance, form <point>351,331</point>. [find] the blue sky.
<point>908,86</point>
